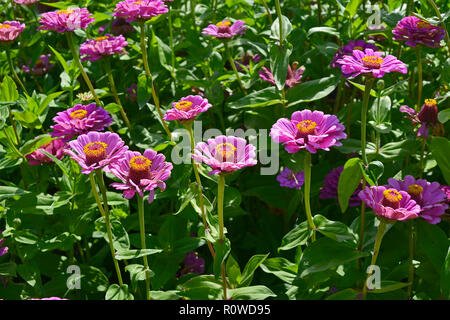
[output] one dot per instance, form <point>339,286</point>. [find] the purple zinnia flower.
<point>347,50</point>
<point>9,30</point>
<point>139,10</point>
<point>370,62</point>
<point>192,264</point>
<point>428,196</point>
<point>3,250</point>
<point>415,31</point>
<point>427,116</point>
<point>245,61</point>
<point>330,187</point>
<point>446,190</point>
<point>225,29</point>
<point>141,173</point>
<point>310,130</point>
<point>26,2</point>
<point>96,150</point>
<point>389,203</point>
<point>290,179</point>
<point>55,147</point>
<point>225,154</point>
<point>187,109</point>
<point>94,49</point>
<point>293,76</point>
<point>66,20</point>
<point>80,120</point>
<point>41,67</point>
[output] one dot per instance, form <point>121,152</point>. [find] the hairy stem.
<point>307,170</point>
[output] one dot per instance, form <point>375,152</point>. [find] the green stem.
<point>80,66</point>
<point>13,71</point>
<point>412,237</point>
<point>268,11</point>
<point>280,20</point>
<point>172,51</point>
<point>96,196</point>
<point>442,23</point>
<point>338,97</point>
<point>422,153</point>
<point>365,103</point>
<point>419,77</point>
<point>220,196</point>
<point>307,170</point>
<point>230,60</point>
<point>193,4</point>
<point>377,141</point>
<point>143,245</point>
<point>102,186</point>
<point>283,96</point>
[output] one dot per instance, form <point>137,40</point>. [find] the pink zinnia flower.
<point>55,147</point>
<point>141,173</point>
<point>415,31</point>
<point>26,2</point>
<point>80,120</point>
<point>66,20</point>
<point>291,179</point>
<point>310,130</point>
<point>428,196</point>
<point>140,10</point>
<point>41,67</point>
<point>9,30</point>
<point>187,109</point>
<point>390,203</point>
<point>96,150</point>
<point>370,62</point>
<point>427,116</point>
<point>94,49</point>
<point>293,77</point>
<point>225,154</point>
<point>330,187</point>
<point>225,29</point>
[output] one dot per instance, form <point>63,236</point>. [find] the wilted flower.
<point>66,20</point>
<point>347,50</point>
<point>293,76</point>
<point>41,67</point>
<point>187,109</point>
<point>415,31</point>
<point>9,30</point>
<point>79,120</point>
<point>310,130</point>
<point>94,49</point>
<point>141,173</point>
<point>139,10</point>
<point>192,263</point>
<point>330,187</point>
<point>26,2</point>
<point>428,196</point>
<point>225,154</point>
<point>55,147</point>
<point>290,179</point>
<point>370,62</point>
<point>427,117</point>
<point>96,150</point>
<point>225,29</point>
<point>389,203</point>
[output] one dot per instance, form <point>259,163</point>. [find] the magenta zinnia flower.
<point>415,31</point>
<point>370,62</point>
<point>427,117</point>
<point>310,130</point>
<point>9,30</point>
<point>80,120</point>
<point>293,76</point>
<point>41,67</point>
<point>187,109</point>
<point>330,188</point>
<point>390,203</point>
<point>94,49</point>
<point>428,196</point>
<point>96,150</point>
<point>347,50</point>
<point>291,179</point>
<point>55,147</point>
<point>139,10</point>
<point>225,154</point>
<point>225,29</point>
<point>141,173</point>
<point>66,20</point>
<point>26,2</point>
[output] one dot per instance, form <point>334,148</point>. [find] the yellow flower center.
<point>423,24</point>
<point>78,114</point>
<point>415,189</point>
<point>430,102</point>
<point>224,23</point>
<point>306,127</point>
<point>372,62</point>
<point>226,150</point>
<point>95,149</point>
<point>138,2</point>
<point>140,163</point>
<point>65,11</point>
<point>102,38</point>
<point>183,105</point>
<point>392,196</point>
<point>4,26</point>
<point>358,48</point>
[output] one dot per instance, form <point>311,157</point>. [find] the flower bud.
<point>429,112</point>
<point>380,84</point>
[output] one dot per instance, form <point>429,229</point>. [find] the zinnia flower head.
<point>141,173</point>
<point>389,203</point>
<point>446,190</point>
<point>192,264</point>
<point>79,120</point>
<point>9,30</point>
<point>65,20</point>
<point>41,67</point>
<point>330,187</point>
<point>245,61</point>
<point>347,50</point>
<point>427,117</point>
<point>310,130</point>
<point>370,62</point>
<point>187,109</point>
<point>94,49</point>
<point>225,154</point>
<point>55,147</point>
<point>3,250</point>
<point>428,195</point>
<point>225,29</point>
<point>139,10</point>
<point>96,150</point>
<point>26,2</point>
<point>415,31</point>
<point>293,76</point>
<point>291,179</point>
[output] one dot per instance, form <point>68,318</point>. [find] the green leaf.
<point>58,162</point>
<point>275,29</point>
<point>440,148</point>
<point>335,230</point>
<point>251,293</point>
<point>9,192</point>
<point>61,60</point>
<point>115,292</point>
<point>384,106</point>
<point>8,90</point>
<point>352,7</point>
<point>112,107</point>
<point>262,98</point>
<point>383,127</point>
<point>250,268</point>
<point>444,115</point>
<point>327,30</point>
<point>311,90</point>
<point>8,269</point>
<point>398,149</point>
<point>349,180</point>
<point>233,271</point>
<point>279,62</point>
<point>137,273</point>
<point>376,170</point>
<point>203,287</point>
<point>388,286</point>
<point>123,254</point>
<point>4,114</point>
<point>445,277</point>
<point>35,143</point>
<point>346,294</point>
<point>281,268</point>
<point>119,234</point>
<point>144,90</point>
<point>361,87</point>
<point>296,237</point>
<point>222,249</point>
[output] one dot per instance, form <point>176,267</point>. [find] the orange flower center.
<point>140,163</point>
<point>95,148</point>
<point>423,24</point>
<point>226,149</point>
<point>102,38</point>
<point>5,26</point>
<point>65,11</point>
<point>415,189</point>
<point>306,127</point>
<point>78,114</point>
<point>372,62</point>
<point>224,23</point>
<point>183,105</point>
<point>358,48</point>
<point>431,102</point>
<point>392,196</point>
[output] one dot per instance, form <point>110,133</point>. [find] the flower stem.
<point>220,196</point>
<point>365,103</point>
<point>376,249</point>
<point>143,245</point>
<point>101,184</point>
<point>268,11</point>
<point>172,51</point>
<point>307,169</point>
<point>149,76</point>
<point>412,236</point>
<point>338,97</point>
<point>96,196</point>
<point>377,141</point>
<point>13,71</point>
<point>230,60</point>
<point>419,76</point>
<point>422,153</point>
